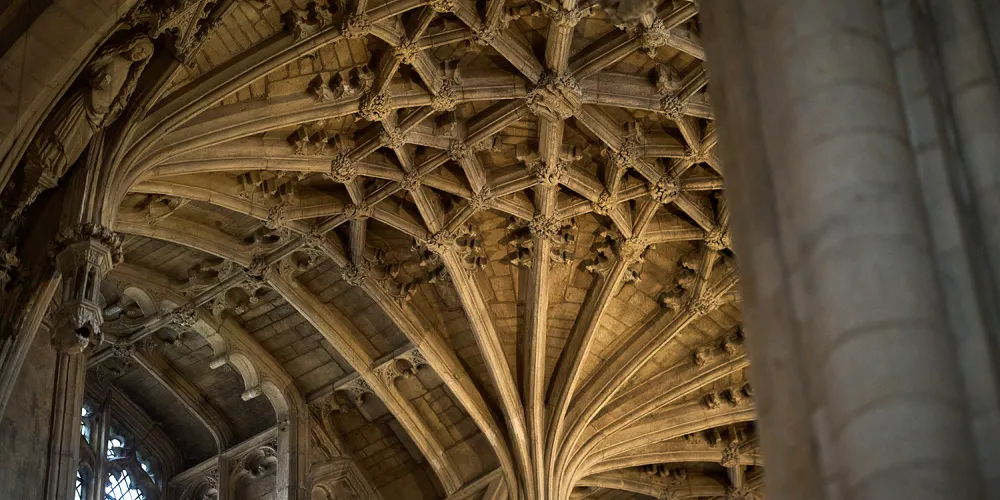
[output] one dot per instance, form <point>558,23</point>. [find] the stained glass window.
<point>122,487</point>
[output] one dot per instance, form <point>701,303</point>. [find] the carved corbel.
<point>310,21</point>
<point>356,388</point>
<point>83,255</point>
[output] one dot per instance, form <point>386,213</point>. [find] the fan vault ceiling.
<point>477,238</point>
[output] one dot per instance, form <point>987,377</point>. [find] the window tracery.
<point>113,466</point>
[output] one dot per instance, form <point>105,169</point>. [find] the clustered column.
<point>860,358</point>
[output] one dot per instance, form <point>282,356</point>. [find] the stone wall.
<point>24,425</point>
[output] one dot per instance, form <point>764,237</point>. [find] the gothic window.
<point>86,423</point>
<point>81,486</point>
<point>121,486</point>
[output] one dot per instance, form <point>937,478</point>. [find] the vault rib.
<point>337,329</point>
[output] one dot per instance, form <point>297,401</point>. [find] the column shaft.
<point>888,414</point>
<point>64,443</point>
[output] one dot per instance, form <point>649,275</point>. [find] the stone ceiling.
<point>474,237</point>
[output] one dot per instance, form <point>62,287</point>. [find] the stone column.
<point>64,444</point>
<point>845,317</point>
<point>953,184</point>
<point>84,254</point>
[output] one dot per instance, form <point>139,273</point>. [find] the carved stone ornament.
<point>375,107</point>
<point>555,97</point>
<point>185,316</point>
<point>76,327</point>
<point>704,305</point>
<point>605,203</point>
<point>665,190</point>
<point>410,181</point>
<point>276,217</point>
<point>258,268</point>
<point>356,26</point>
<point>356,389</point>
<point>123,350</point>
<point>654,36</point>
<point>440,242</point>
<point>8,262</point>
<point>358,211</point>
<point>307,22</point>
<point>446,96</point>
<point>568,18</point>
<point>392,137</point>
<point>90,232</point>
<point>482,200</point>
<point>458,150</point>
<point>673,106</point>
<point>485,35</point>
<point>730,455</point>
<point>406,51</point>
<point>718,239</point>
<point>111,78</point>
<point>442,6</point>
<point>356,274</point>
<point>83,255</point>
<point>544,227</point>
<point>342,168</point>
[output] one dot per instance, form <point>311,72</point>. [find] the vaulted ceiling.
<point>474,237</point>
